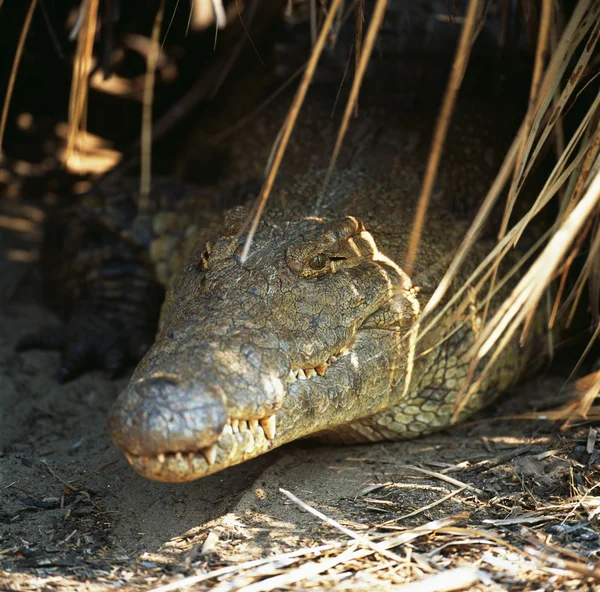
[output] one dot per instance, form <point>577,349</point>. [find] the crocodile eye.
<point>318,262</point>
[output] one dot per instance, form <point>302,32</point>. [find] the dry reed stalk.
<point>15,68</point>
<point>351,103</point>
<point>470,30</point>
<point>82,68</point>
<point>146,137</point>
<point>290,121</point>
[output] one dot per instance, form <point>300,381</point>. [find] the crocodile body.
<point>317,332</point>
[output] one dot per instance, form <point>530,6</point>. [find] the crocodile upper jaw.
<point>313,400</point>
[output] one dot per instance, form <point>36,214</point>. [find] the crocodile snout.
<point>162,413</point>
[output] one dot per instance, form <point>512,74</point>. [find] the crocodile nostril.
<point>157,385</point>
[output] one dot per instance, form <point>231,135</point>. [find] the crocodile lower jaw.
<point>240,440</point>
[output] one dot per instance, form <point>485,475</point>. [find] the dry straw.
<point>555,86</point>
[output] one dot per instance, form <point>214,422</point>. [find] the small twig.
<point>357,537</point>
<point>305,571</point>
<point>577,567</point>
<point>443,477</point>
<point>193,580</point>
<point>424,508</point>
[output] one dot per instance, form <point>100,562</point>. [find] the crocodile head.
<point>310,333</point>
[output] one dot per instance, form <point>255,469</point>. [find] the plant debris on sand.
<point>507,502</point>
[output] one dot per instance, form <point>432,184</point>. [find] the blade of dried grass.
<point>15,68</point>
<point>357,537</point>
<point>472,234</point>
<point>369,43</point>
<point>587,390</point>
<point>527,293</point>
<point>558,24</point>
<point>162,44</point>
<point>231,569</point>
<point>580,501</point>
<point>499,251</point>
<point>557,179</point>
<point>565,96</point>
<point>306,571</point>
<point>542,50</point>
<point>290,121</point>
<point>423,508</point>
<point>525,297</point>
<point>82,67</point>
<point>463,52</point>
<point>579,140</point>
<point>484,534</point>
<point>458,313</point>
<point>579,388</point>
<point>578,567</point>
<point>359,12</point>
<point>572,35</point>
<point>543,42</point>
<point>588,165</point>
<point>563,279</point>
<point>442,477</point>
<point>148,100</point>
<point>578,26</point>
<point>449,580</point>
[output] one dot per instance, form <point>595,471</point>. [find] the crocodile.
<point>317,333</point>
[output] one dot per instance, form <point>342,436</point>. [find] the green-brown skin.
<point>321,293</point>
<point>317,332</point>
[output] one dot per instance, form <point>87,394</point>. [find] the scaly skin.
<point>317,333</point>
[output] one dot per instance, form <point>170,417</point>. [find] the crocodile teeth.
<point>253,424</point>
<point>269,425</point>
<point>161,458</point>
<point>320,369</point>
<point>179,456</point>
<point>300,374</point>
<point>243,425</point>
<point>227,430</point>
<point>310,372</point>
<point>210,454</point>
<point>235,425</point>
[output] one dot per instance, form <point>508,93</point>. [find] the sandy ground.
<point>74,516</point>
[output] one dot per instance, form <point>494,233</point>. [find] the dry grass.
<point>388,555</point>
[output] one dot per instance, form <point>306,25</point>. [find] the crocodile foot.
<point>88,342</point>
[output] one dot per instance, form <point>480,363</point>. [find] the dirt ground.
<point>494,505</point>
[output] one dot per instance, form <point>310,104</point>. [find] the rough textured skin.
<point>318,331</point>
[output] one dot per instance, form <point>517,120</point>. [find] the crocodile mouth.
<point>239,440</point>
